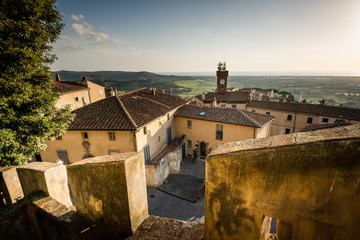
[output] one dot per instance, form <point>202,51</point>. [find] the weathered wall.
<point>155,130</point>
<point>100,145</point>
<point>111,189</point>
<point>69,99</point>
<point>308,181</point>
<point>280,123</point>
<point>97,92</point>
<point>10,186</point>
<point>206,131</point>
<point>50,178</point>
<point>157,172</point>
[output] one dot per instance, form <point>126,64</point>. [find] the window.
<point>189,144</point>
<point>325,120</point>
<point>219,132</point>
<point>289,117</point>
<point>268,113</point>
<point>145,130</point>
<point>84,135</point>
<point>223,105</point>
<point>110,152</point>
<point>309,120</point>
<point>63,156</point>
<point>76,99</point>
<point>189,123</point>
<point>100,92</point>
<point>287,130</point>
<point>159,138</point>
<point>111,136</point>
<point>147,153</point>
<point>233,106</point>
<point>253,110</point>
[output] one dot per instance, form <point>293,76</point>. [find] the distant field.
<point>197,86</point>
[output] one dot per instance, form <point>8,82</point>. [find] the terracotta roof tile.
<point>229,97</point>
<point>124,112</point>
<point>68,86</point>
<point>224,115</point>
<point>317,109</point>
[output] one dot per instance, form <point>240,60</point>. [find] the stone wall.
<point>309,182</point>
<point>111,189</point>
<point>10,187</point>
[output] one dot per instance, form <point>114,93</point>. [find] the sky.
<point>319,37</point>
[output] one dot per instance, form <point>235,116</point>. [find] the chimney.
<point>163,91</point>
<point>108,92</point>
<point>214,102</point>
<point>57,77</point>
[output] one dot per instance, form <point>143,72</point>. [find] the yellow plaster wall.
<point>69,99</point>
<point>156,128</point>
<point>280,123</point>
<point>99,144</point>
<point>229,105</point>
<point>97,92</point>
<point>206,131</point>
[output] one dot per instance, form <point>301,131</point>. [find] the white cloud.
<point>86,32</point>
<point>77,17</point>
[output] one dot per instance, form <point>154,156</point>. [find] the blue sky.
<point>283,36</point>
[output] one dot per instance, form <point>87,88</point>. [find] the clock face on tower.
<point>222,81</point>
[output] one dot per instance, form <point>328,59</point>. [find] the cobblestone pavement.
<point>188,167</point>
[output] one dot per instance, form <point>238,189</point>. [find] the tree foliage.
<point>27,103</point>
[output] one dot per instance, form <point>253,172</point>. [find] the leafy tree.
<point>27,103</point>
<point>291,98</point>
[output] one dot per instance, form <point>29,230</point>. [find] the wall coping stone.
<point>119,157</point>
<point>40,166</point>
<point>338,133</point>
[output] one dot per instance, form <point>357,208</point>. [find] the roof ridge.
<point>154,101</point>
<point>126,112</point>
<point>248,117</point>
<point>137,90</point>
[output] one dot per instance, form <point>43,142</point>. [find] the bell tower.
<point>222,75</point>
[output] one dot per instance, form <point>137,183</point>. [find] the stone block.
<point>50,178</point>
<point>111,189</point>
<point>10,186</point>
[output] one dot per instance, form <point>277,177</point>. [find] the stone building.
<point>205,127</point>
<point>291,117</point>
<point>77,93</point>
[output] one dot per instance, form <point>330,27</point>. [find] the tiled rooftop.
<point>317,109</point>
<point>69,86</point>
<point>230,97</point>
<point>224,115</point>
<point>125,112</point>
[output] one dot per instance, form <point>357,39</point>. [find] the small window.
<point>168,116</point>
<point>145,130</point>
<point>253,110</point>
<point>59,138</point>
<point>287,130</point>
<point>110,152</point>
<point>202,113</point>
<point>223,105</point>
<point>111,136</point>
<point>84,135</point>
<point>159,138</point>
<point>233,106</point>
<point>189,123</point>
<point>268,113</point>
<point>325,120</point>
<point>219,132</point>
<point>289,117</point>
<point>189,144</point>
<point>76,99</point>
<point>147,153</point>
<point>309,120</point>
<point>63,156</point>
<point>100,92</point>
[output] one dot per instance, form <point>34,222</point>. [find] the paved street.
<point>166,205</point>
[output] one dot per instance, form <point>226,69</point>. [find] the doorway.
<point>203,147</point>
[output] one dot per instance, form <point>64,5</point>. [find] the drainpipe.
<point>294,122</point>
<point>135,141</point>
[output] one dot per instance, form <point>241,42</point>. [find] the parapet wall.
<point>309,182</point>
